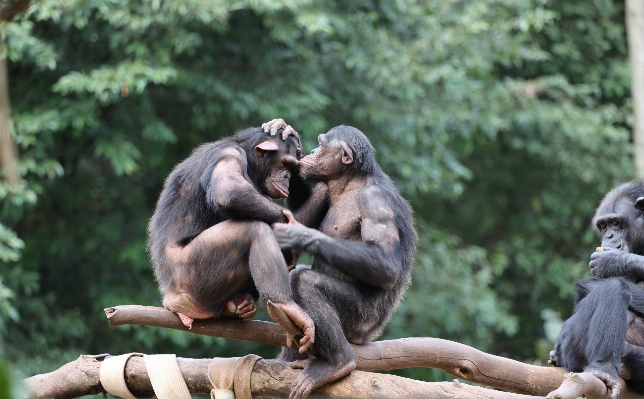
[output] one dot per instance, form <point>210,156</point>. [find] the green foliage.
<point>503,122</point>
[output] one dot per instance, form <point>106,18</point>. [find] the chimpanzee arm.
<point>613,262</point>
<point>375,260</point>
<point>312,212</point>
<point>231,192</point>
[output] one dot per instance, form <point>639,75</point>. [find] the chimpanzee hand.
<point>610,262</point>
<point>293,235</point>
<point>276,124</point>
<point>290,256</point>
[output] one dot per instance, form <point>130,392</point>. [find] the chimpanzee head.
<point>341,148</point>
<point>619,219</point>
<point>271,161</point>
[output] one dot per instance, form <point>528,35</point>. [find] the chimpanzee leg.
<point>338,310</point>
<point>606,312</point>
<point>592,340</point>
<point>633,361</point>
<point>220,262</point>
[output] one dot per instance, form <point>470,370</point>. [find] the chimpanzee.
<point>363,253</point>
<point>606,330</point>
<point>211,245</point>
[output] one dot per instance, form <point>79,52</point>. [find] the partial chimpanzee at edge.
<point>212,249</point>
<point>606,330</point>
<point>363,253</point>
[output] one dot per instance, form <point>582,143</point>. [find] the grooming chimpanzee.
<point>363,253</point>
<point>212,249</point>
<point>606,330</point>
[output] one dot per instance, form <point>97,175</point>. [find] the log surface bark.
<point>270,378</point>
<point>459,360</point>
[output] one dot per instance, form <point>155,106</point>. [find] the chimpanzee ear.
<point>265,146</point>
<point>639,203</point>
<point>347,154</point>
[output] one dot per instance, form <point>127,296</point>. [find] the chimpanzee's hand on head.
<point>276,124</point>
<point>610,262</point>
<point>293,235</point>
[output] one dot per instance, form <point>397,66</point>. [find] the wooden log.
<point>456,359</point>
<point>269,378</point>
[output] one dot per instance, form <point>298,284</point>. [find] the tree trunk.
<point>635,31</point>
<point>8,9</point>
<point>8,152</point>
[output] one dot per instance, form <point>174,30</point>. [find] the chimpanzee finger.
<point>289,216</point>
<point>277,125</point>
<point>249,313</point>
<point>249,307</point>
<point>289,131</point>
<point>289,341</point>
<point>267,125</point>
<point>305,343</point>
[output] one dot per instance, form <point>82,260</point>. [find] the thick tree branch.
<point>456,359</point>
<point>270,378</point>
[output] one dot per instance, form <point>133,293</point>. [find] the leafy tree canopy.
<point>503,122</point>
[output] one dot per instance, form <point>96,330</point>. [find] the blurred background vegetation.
<point>503,122</point>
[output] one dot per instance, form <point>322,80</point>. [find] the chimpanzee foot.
<point>317,373</point>
<point>300,363</point>
<point>302,320</point>
<point>611,380</point>
<point>553,361</point>
<point>241,306</point>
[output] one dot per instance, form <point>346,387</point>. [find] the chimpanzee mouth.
<point>281,189</point>
<point>306,162</point>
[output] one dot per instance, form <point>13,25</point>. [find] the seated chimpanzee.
<point>211,245</point>
<point>606,330</point>
<point>363,253</point>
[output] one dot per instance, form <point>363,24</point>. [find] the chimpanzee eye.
<point>614,223</point>
<point>602,226</point>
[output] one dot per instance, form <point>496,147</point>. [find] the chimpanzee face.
<point>327,161</point>
<point>280,159</point>
<point>621,224</point>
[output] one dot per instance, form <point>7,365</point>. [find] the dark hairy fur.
<point>606,330</point>
<point>355,283</point>
<point>187,206</point>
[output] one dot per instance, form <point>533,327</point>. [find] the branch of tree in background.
<point>8,151</point>
<point>8,9</point>
<point>635,33</point>
<point>456,359</point>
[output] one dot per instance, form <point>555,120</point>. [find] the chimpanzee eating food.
<point>212,248</point>
<point>606,330</point>
<point>363,253</point>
